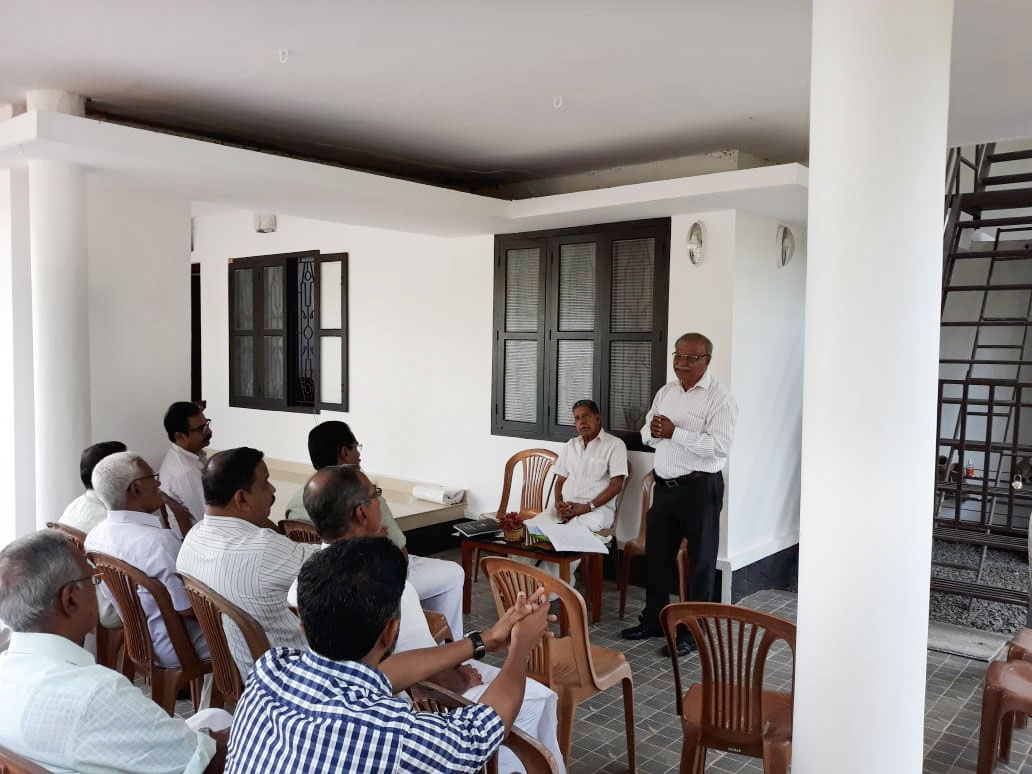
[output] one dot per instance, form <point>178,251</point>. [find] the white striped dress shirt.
<point>253,568</point>
<point>704,424</point>
<point>306,713</point>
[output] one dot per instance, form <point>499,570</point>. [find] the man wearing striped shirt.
<point>690,425</point>
<point>333,707</point>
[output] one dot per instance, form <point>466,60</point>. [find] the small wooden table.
<point>537,551</point>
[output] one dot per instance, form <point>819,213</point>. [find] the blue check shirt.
<point>302,712</point>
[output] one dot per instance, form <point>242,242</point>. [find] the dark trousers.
<point>692,511</point>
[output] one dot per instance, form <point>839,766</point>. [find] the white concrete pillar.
<point>878,109</point>
<point>60,331</point>
<point>17,454</point>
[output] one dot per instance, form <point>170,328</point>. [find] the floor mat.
<point>962,641</point>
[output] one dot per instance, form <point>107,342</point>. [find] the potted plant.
<point>512,526</point>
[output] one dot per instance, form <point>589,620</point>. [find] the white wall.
<point>421,322</point>
<point>767,382</point>
<point>17,453</point>
<point>139,308</point>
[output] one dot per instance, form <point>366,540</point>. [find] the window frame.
<point>257,332</point>
<point>549,242</point>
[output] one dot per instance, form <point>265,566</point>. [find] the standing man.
<point>189,432</point>
<point>690,425</point>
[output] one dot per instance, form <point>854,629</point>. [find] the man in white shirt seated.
<point>333,706</point>
<point>134,534</point>
<point>438,582</point>
<point>238,553</point>
<point>589,474</point>
<point>87,511</point>
<point>189,432</point>
<point>62,710</point>
<point>343,504</point>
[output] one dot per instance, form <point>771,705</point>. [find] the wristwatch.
<point>479,649</point>
<point>591,506</point>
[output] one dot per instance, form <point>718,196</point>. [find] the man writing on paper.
<point>590,473</point>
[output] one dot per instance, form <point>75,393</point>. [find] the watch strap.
<point>479,649</point>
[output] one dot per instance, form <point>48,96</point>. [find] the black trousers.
<point>692,511</point>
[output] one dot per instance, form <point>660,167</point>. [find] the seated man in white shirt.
<point>134,534</point>
<point>62,710</point>
<point>87,511</point>
<point>438,582</point>
<point>238,553</point>
<point>589,474</point>
<point>344,505</point>
<point>189,432</point>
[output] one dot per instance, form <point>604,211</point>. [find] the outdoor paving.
<point>952,705</point>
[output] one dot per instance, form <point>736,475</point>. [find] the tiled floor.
<point>951,709</point>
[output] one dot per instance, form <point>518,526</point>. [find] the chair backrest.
<point>647,485</point>
<point>123,582</point>
<point>535,465</point>
<point>12,763</point>
<point>733,644</point>
<point>438,626</point>
<point>610,532</point>
<point>78,537</point>
<point>209,607</point>
<point>536,759</point>
<point>300,531</point>
<point>508,578</point>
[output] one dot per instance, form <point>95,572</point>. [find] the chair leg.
<point>625,578</point>
<point>164,686</point>
<point>628,709</point>
<point>567,710</point>
<point>196,691</point>
<point>776,756</point>
<point>476,564</point>
<point>109,642</point>
<point>693,754</point>
<point>989,734</point>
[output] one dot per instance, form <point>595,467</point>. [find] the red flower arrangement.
<point>512,525</point>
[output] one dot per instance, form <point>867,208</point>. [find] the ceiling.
<point>463,93</point>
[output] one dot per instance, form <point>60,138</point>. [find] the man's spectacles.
<point>199,428</point>
<point>377,492</point>
<point>97,577</point>
<point>356,446</point>
<point>155,476</point>
<point>688,358</point>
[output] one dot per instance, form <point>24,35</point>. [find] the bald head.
<point>333,497</point>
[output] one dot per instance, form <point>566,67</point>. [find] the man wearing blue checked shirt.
<point>333,707</point>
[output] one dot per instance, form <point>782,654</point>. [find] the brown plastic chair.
<point>1006,702</point>
<point>12,763</point>
<point>536,759</point>
<point>439,628</point>
<point>636,547</point>
<point>591,566</point>
<point>730,710</point>
<point>300,531</point>
<point>209,607</point>
<point>535,465</point>
<point>123,582</point>
<point>570,665</point>
<point>110,642</point>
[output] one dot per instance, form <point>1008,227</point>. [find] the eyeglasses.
<point>377,492</point>
<point>155,476</point>
<point>356,446</point>
<point>97,577</point>
<point>688,358</point>
<point>199,428</point>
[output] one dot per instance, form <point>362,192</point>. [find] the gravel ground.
<point>1002,568</point>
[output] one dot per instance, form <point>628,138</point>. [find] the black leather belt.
<point>682,480</point>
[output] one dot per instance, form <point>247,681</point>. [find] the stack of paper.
<point>573,537</point>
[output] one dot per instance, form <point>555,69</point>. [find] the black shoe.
<point>641,632</point>
<point>685,645</point>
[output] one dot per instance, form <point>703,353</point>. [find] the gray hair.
<point>696,337</point>
<point>113,476</point>
<point>32,571</point>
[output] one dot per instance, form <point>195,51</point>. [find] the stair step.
<point>984,323</point>
<point>1010,156</point>
<point>999,286</point>
<point>1000,346</point>
<point>996,222</point>
<point>998,254</point>
<point>965,361</point>
<point>980,591</point>
<point>1021,177</point>
<point>1007,199</point>
<point>981,538</point>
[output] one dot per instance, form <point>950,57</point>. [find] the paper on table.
<point>573,537</point>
